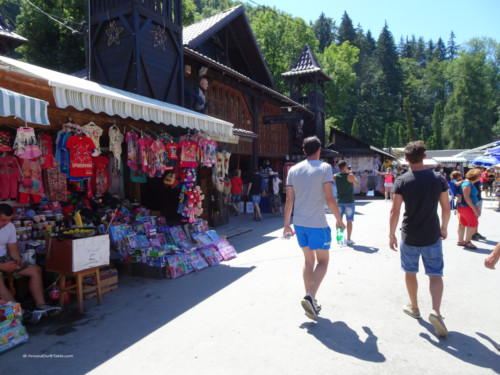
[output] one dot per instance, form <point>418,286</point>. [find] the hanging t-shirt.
<point>47,158</point>
<point>132,150</point>
<point>115,143</point>
<point>80,156</point>
<point>31,181</point>
<point>94,132</point>
<point>143,149</point>
<point>208,148</point>
<point>101,181</point>
<point>189,154</point>
<point>10,174</point>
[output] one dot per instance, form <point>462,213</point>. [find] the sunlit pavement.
<point>244,316</point>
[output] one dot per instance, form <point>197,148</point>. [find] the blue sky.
<point>430,19</point>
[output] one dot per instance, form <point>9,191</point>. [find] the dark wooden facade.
<point>136,45</point>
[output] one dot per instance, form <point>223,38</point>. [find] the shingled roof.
<point>244,52</point>
<point>9,40</point>
<point>306,64</point>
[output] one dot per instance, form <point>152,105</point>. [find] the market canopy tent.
<point>25,107</point>
<point>82,94</point>
<point>486,161</point>
<point>495,151</point>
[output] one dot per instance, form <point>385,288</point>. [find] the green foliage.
<point>355,128</point>
<point>346,30</point>
<point>281,38</point>
<point>324,30</point>
<point>402,135</point>
<point>437,126</point>
<point>410,123</point>
<point>51,44</point>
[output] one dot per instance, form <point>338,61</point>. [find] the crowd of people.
<point>309,187</point>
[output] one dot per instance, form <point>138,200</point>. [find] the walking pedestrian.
<point>388,183</point>
<point>254,192</point>
<point>308,187</point>
<point>468,211</point>
<point>236,185</point>
<point>273,192</point>
<point>421,190</point>
<point>345,180</point>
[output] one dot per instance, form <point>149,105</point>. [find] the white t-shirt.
<point>307,179</point>
<point>7,235</point>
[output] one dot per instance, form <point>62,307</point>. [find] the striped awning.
<point>25,107</point>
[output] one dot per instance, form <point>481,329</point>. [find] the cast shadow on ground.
<point>479,250</point>
<point>337,336</point>
<point>495,344</point>
<point>463,347</point>
<point>365,249</point>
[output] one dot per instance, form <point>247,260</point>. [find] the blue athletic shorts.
<point>255,199</point>
<point>315,238</point>
<point>432,257</point>
<point>347,209</point>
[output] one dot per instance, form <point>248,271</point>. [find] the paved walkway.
<point>244,316</point>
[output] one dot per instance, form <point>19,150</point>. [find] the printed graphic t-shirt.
<point>80,156</point>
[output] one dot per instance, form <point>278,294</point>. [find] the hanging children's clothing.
<point>47,158</point>
<point>10,174</point>
<point>80,156</point>
<point>25,144</point>
<point>101,181</point>
<point>115,143</point>
<point>115,169</point>
<point>189,154</point>
<point>208,148</point>
<point>55,184</point>
<point>132,150</point>
<point>31,181</point>
<point>5,142</point>
<point>94,132</point>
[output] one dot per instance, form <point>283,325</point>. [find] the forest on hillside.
<point>384,91</point>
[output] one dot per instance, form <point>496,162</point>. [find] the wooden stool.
<point>9,280</point>
<point>78,287</point>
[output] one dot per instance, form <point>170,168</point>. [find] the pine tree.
<point>410,127</point>
<point>346,30</point>
<point>437,126</point>
<point>419,53</point>
<point>440,51</point>
<point>387,136</point>
<point>402,135</point>
<point>324,29</point>
<point>452,47</point>
<point>355,128</point>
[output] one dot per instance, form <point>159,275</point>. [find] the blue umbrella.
<point>486,161</point>
<point>495,151</point>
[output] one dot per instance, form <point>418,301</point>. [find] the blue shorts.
<point>432,257</point>
<point>235,198</point>
<point>255,199</point>
<point>315,238</point>
<point>347,209</point>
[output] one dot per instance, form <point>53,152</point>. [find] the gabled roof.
<point>8,37</point>
<point>244,49</point>
<point>307,64</point>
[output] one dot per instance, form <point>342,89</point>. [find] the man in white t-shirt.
<point>308,188</point>
<point>11,263</point>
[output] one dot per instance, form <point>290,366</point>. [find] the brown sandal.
<point>470,245</point>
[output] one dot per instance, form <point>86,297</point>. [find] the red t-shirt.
<point>80,156</point>
<point>484,176</point>
<point>236,185</point>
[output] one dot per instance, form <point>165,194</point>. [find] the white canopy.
<point>83,94</point>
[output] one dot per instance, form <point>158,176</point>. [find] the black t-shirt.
<point>256,180</point>
<point>421,191</point>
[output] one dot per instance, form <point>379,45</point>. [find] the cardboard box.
<point>109,282</point>
<point>10,310</point>
<point>12,337</point>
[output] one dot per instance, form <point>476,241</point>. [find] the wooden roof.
<point>307,64</point>
<point>9,40</point>
<point>232,31</point>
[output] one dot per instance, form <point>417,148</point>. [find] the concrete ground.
<point>244,316</point>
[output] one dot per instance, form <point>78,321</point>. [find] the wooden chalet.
<point>9,40</point>
<point>241,90</point>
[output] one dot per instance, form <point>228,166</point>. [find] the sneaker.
<point>350,242</point>
<point>437,321</point>
<point>32,317</point>
<point>479,236</point>
<point>48,310</point>
<point>317,306</point>
<point>414,313</point>
<point>308,305</point>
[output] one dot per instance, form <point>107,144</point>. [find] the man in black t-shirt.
<point>255,192</point>
<point>421,190</point>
